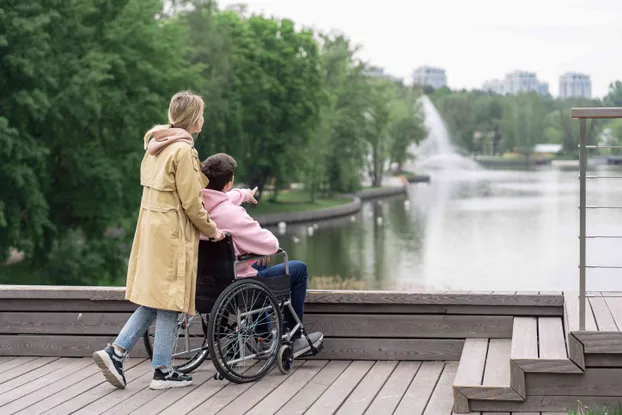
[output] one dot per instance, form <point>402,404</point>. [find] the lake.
<point>469,230</point>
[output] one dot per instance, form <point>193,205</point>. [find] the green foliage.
<point>491,124</point>
<point>82,81</point>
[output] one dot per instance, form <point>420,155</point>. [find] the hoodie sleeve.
<point>249,236</point>
<point>239,196</point>
<point>189,191</point>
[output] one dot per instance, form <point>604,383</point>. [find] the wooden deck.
<point>47,385</point>
<point>384,352</point>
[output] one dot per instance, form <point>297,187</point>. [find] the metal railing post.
<point>582,219</point>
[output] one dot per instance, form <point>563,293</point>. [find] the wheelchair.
<point>239,323</point>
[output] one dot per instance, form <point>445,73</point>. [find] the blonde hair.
<point>184,111</point>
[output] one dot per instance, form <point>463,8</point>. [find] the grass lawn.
<point>292,201</point>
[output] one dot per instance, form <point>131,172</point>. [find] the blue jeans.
<point>298,283</point>
<point>165,333</point>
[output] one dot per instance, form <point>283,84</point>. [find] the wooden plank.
<point>15,362</point>
<point>505,310</point>
<point>24,403</point>
<point>497,369</point>
<point>35,374</point>
<point>472,363</point>
<point>117,395</point>
<point>596,112</point>
<point>146,396</point>
<point>614,304</point>
<point>102,389</point>
<point>294,384</point>
<point>173,396</point>
<point>600,342</point>
<point>405,297</point>
<point>28,293</point>
<point>345,308</point>
<point>602,315</point>
<point>525,338</point>
<point>571,299</point>
<point>440,401</point>
<point>604,360</point>
<point>594,382</point>
<point>390,349</point>
<point>16,372</point>
<point>551,335</point>
<point>76,389</point>
<point>42,383</point>
<point>332,398</point>
<point>75,305</point>
<point>391,393</point>
<point>363,395</point>
<point>198,396</point>
<point>549,403</point>
<point>571,321</point>
<point>419,391</point>
<point>62,323</point>
<point>256,392</point>
<point>410,326</point>
<point>551,293</point>
<point>304,399</point>
<point>57,345</point>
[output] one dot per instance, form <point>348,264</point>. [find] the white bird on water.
<point>296,240</point>
<point>379,220</point>
<point>310,230</point>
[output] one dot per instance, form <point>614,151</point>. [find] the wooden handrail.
<point>596,112</point>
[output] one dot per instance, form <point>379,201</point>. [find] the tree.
<point>523,122</point>
<point>97,75</point>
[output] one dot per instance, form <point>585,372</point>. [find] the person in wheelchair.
<point>222,203</point>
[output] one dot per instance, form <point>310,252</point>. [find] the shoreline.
<point>333,212</point>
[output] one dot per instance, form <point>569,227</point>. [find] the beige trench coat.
<point>162,268</point>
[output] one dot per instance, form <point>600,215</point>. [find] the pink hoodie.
<point>247,235</point>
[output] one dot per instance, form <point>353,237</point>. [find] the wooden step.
<point>486,372</point>
<point>571,323</point>
<point>539,346</point>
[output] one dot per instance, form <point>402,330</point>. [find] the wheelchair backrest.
<point>215,272</point>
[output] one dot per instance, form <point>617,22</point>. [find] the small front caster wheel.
<point>218,376</point>
<point>285,359</point>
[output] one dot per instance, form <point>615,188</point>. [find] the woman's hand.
<point>218,236</point>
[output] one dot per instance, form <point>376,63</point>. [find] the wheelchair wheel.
<point>285,359</point>
<point>245,331</point>
<point>190,348</point>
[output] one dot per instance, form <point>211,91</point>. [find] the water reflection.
<point>480,230</point>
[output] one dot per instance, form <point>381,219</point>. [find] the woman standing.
<point>162,271</point>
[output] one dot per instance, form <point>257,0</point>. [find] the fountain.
<point>436,152</point>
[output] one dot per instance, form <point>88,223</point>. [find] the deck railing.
<point>583,114</point>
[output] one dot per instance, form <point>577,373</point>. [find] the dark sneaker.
<point>170,379</point>
<point>301,345</point>
<point>111,365</point>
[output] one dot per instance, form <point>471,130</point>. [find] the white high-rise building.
<point>517,82</point>
<point>429,75</point>
<point>572,84</point>
<point>496,86</point>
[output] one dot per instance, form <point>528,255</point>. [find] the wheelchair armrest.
<point>250,257</point>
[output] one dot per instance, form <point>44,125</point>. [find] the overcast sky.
<point>474,40</point>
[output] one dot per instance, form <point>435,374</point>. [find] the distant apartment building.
<point>495,86</point>
<point>429,75</point>
<point>572,84</point>
<point>517,82</point>
<point>377,72</point>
